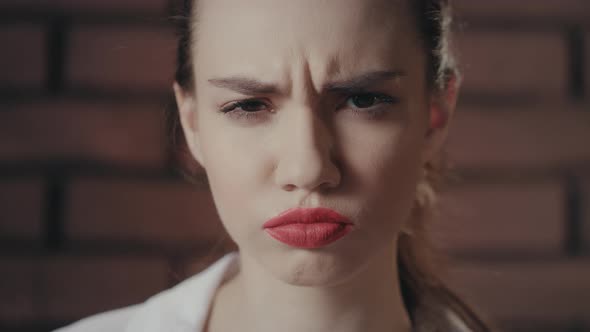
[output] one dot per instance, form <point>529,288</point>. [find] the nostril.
<point>289,187</point>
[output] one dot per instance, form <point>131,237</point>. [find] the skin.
<point>306,144</point>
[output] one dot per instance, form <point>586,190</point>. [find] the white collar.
<point>184,307</point>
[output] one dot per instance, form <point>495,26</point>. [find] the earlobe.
<point>438,117</point>
<point>436,132</point>
<point>187,115</point>
<point>441,110</point>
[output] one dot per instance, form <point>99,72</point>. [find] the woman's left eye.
<point>368,100</point>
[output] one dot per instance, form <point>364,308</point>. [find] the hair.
<point>426,297</point>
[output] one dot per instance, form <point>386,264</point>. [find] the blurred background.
<point>93,215</point>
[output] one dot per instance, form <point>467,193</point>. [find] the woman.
<point>320,126</point>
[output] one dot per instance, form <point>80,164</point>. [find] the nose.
<point>305,160</point>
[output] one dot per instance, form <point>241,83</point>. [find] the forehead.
<point>331,37</point>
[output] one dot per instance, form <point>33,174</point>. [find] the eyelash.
<point>371,111</point>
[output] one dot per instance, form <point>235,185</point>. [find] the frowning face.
<point>309,103</point>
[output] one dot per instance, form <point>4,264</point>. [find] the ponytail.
<point>431,305</point>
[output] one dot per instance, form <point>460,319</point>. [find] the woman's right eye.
<point>246,110</point>
<point>248,106</point>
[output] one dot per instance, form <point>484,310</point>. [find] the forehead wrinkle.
<point>340,51</point>
<point>316,67</point>
<point>300,75</point>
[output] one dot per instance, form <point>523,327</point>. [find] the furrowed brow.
<point>252,86</point>
<point>363,81</point>
<point>245,85</point>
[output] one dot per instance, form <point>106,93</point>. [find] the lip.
<point>308,227</point>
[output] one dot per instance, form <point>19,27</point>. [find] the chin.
<point>316,267</point>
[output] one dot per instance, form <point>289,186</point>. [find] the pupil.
<point>251,106</point>
<point>363,100</point>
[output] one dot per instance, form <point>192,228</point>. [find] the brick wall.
<point>93,215</point>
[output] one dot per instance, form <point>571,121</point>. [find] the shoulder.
<point>180,308</point>
<point>113,320</point>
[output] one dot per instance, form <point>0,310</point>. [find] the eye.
<point>368,100</point>
<point>369,104</point>
<point>246,110</point>
<point>248,105</point>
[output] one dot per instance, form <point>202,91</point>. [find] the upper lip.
<point>306,216</point>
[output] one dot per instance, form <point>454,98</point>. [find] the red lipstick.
<point>308,228</point>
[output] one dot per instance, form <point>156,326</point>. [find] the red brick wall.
<point>93,215</point>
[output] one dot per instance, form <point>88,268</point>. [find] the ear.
<point>187,114</point>
<point>441,109</point>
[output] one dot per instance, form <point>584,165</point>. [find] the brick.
<point>66,288</point>
<point>523,64</point>
<point>23,60</point>
<point>74,287</point>
<point>21,209</point>
<point>103,132</point>
<point>502,218</point>
<point>539,9</point>
<point>587,64</point>
<point>162,214</point>
<point>527,138</point>
<point>97,6</point>
<point>541,327</point>
<point>121,57</point>
<point>585,213</point>
<point>556,291</point>
<point>17,289</point>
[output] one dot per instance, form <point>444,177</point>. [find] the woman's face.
<point>333,113</point>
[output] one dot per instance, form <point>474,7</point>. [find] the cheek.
<point>386,165</point>
<point>234,165</point>
<point>382,157</point>
<point>231,155</point>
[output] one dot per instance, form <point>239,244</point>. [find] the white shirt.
<point>182,308</point>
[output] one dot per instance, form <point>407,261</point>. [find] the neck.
<point>371,300</point>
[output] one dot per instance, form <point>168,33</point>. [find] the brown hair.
<point>428,301</point>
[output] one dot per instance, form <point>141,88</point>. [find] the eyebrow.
<point>363,81</point>
<point>251,86</point>
<point>245,85</point>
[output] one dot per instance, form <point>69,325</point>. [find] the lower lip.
<point>313,235</point>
